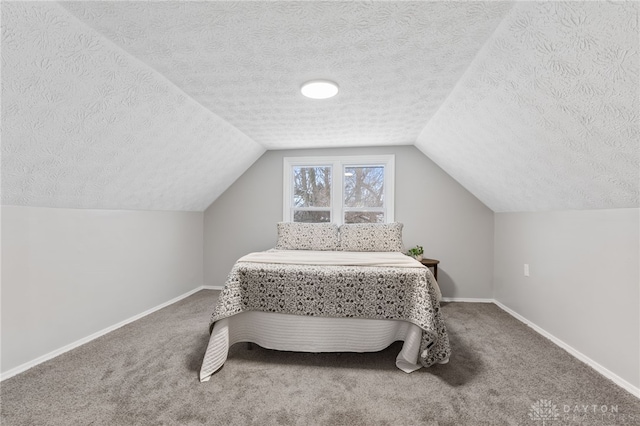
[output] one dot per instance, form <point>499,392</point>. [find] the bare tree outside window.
<point>311,216</point>
<point>364,194</point>
<point>312,194</point>
<point>343,189</point>
<point>363,217</point>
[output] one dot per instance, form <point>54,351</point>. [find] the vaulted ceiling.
<point>162,105</point>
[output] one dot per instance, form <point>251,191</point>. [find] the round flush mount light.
<point>319,89</point>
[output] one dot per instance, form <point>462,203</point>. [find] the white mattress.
<point>311,334</point>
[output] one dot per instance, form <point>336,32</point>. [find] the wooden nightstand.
<point>431,263</point>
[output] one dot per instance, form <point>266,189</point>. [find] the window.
<point>311,194</point>
<point>339,189</point>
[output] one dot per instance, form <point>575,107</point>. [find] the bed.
<point>329,289</point>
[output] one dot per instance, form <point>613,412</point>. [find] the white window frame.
<point>338,165</point>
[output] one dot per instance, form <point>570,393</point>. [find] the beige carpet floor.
<point>146,373</point>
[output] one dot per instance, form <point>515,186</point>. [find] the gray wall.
<point>67,274</point>
<point>438,213</point>
<point>584,283</point>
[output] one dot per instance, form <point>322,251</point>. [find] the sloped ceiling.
<point>86,125</point>
<point>547,116</point>
<point>162,105</point>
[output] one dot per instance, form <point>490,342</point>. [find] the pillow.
<point>307,236</point>
<point>371,237</point>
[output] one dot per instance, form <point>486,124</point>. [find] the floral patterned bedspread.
<point>398,293</point>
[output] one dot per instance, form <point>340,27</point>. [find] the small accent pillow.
<point>307,236</point>
<point>371,237</point>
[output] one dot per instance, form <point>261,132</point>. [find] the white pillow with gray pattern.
<point>371,237</point>
<point>307,236</point>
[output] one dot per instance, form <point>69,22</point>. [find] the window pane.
<point>312,187</point>
<point>364,186</point>
<point>363,217</point>
<point>311,216</point>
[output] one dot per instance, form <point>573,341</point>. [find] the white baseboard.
<point>635,391</point>
<point>212,287</point>
<point>27,365</point>
<point>466,300</point>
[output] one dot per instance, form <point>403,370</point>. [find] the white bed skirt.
<point>311,334</point>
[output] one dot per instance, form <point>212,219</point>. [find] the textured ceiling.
<point>86,125</point>
<point>547,117</point>
<point>395,62</point>
<point>162,105</point>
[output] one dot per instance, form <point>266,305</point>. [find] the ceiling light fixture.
<point>319,89</point>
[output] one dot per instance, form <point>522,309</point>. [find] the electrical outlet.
<point>526,269</point>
